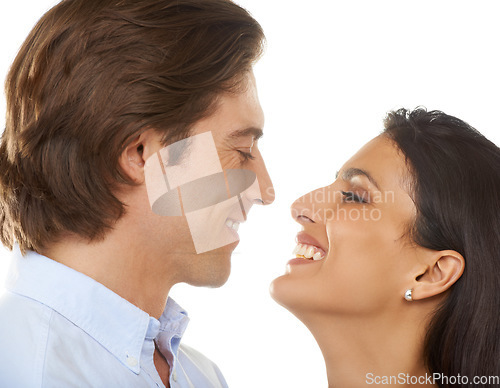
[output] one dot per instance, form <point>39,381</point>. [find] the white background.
<point>331,71</point>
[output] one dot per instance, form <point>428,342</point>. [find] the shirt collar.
<point>173,323</point>
<point>114,322</point>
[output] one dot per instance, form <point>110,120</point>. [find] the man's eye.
<point>349,196</point>
<point>246,155</point>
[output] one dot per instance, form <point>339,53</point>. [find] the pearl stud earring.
<point>408,295</point>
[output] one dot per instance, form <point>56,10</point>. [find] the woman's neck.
<point>370,350</point>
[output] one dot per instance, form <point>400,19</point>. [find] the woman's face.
<point>362,259</point>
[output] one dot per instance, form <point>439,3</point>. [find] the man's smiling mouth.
<point>232,224</point>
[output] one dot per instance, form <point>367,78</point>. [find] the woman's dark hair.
<point>91,76</point>
<point>456,189</point>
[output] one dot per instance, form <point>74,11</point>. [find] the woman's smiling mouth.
<point>309,252</point>
<point>308,248</point>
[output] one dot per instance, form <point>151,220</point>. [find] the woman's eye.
<point>246,155</point>
<point>350,196</point>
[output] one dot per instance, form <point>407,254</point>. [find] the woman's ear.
<point>133,158</point>
<point>444,268</point>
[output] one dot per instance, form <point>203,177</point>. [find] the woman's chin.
<point>286,292</point>
<point>275,290</point>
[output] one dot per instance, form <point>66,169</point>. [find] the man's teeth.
<point>308,252</point>
<point>232,224</point>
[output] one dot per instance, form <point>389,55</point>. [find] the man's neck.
<point>122,263</point>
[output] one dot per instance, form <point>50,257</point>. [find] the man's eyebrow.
<point>352,172</point>
<point>255,132</point>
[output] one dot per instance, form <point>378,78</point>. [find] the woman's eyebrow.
<point>352,172</point>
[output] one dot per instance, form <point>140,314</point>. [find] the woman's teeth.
<point>232,224</point>
<point>309,252</point>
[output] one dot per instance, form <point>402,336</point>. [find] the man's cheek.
<point>186,178</point>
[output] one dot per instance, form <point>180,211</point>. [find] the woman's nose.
<point>313,207</point>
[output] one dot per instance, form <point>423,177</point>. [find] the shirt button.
<point>131,361</point>
<point>174,375</point>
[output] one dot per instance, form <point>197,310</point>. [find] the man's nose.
<point>262,191</point>
<point>266,186</point>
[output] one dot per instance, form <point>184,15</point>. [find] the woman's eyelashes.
<point>350,196</point>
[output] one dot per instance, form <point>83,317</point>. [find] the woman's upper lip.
<point>304,238</point>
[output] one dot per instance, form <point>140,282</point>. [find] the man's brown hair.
<point>90,77</point>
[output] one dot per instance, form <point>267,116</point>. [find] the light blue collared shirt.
<point>60,328</point>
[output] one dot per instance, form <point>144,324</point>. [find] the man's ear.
<point>133,158</point>
<point>444,268</point>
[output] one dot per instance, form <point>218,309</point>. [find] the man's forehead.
<point>236,115</point>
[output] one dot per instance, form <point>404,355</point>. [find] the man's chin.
<point>214,279</point>
<point>214,267</point>
<point>218,282</point>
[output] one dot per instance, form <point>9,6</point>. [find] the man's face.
<point>200,197</point>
